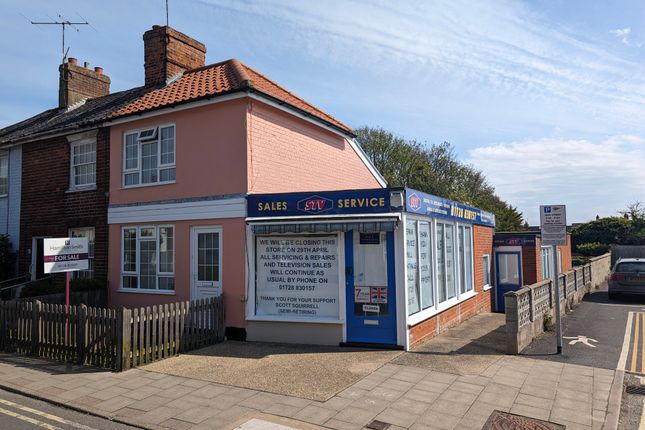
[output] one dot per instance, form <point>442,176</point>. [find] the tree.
<point>435,170</point>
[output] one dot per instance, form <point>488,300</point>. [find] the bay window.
<point>148,258</point>
<point>149,156</point>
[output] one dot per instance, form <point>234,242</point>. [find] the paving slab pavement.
<point>412,391</point>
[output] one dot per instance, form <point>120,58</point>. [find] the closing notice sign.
<point>65,254</point>
<point>297,277</point>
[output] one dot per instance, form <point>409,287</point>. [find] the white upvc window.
<point>83,164</point>
<point>149,156</point>
<point>465,258</point>
<point>89,233</point>
<point>486,268</point>
<point>4,175</point>
<point>148,258</point>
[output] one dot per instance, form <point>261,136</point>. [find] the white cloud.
<point>592,178</point>
<point>623,35</point>
<point>501,45</point>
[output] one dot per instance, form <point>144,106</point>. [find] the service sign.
<point>298,277</point>
<point>65,254</point>
<point>427,204</point>
<point>320,203</point>
<point>553,224</point>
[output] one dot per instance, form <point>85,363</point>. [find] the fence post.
<point>81,323</point>
<point>35,326</point>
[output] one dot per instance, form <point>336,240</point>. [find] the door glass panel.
<point>370,274</point>
<point>509,269</point>
<point>441,266</point>
<point>208,257</point>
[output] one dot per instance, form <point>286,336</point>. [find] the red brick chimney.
<point>168,52</point>
<point>77,83</point>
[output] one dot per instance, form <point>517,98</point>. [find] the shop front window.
<point>412,254</point>
<point>465,259</point>
<point>148,258</point>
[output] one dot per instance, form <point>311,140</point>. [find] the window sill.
<point>487,287</point>
<point>155,184</point>
<point>140,291</point>
<point>79,189</point>
<point>431,312</point>
<point>3,196</point>
<point>296,320</point>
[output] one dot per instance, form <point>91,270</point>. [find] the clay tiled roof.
<point>220,79</point>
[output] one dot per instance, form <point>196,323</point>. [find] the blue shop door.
<point>371,304</point>
<point>508,275</point>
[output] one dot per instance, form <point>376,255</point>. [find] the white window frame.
<point>4,157</point>
<point>486,267</point>
<point>72,177</point>
<point>439,307</point>
<point>77,273</point>
<point>160,166</point>
<point>548,250</point>
<point>137,273</point>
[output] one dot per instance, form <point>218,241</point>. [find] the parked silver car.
<point>627,276</point>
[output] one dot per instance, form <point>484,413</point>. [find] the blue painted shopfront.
<point>368,225</point>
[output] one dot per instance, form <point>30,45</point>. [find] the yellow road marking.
<point>46,415</point>
<point>29,420</point>
<point>642,349</point>
<point>635,343</point>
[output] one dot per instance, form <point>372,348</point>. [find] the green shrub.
<point>41,287</point>
<point>46,286</point>
<point>86,284</point>
<point>592,249</point>
<point>7,259</point>
<point>579,260</point>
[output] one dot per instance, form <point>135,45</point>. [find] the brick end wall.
<point>482,302</point>
<point>47,209</point>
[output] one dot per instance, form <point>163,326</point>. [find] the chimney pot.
<point>86,64</point>
<point>99,70</point>
<point>72,60</point>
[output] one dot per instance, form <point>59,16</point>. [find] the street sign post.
<point>553,232</point>
<point>65,255</point>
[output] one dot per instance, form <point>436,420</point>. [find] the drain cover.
<point>635,389</point>
<point>378,425</point>
<point>499,420</point>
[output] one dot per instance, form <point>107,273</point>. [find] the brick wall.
<point>47,209</point>
<point>482,302</point>
<point>168,52</point>
<point>289,154</point>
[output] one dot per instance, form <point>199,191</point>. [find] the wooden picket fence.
<point>109,338</point>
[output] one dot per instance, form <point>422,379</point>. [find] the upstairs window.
<point>83,164</point>
<point>4,175</point>
<point>149,156</point>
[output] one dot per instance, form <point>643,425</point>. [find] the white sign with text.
<point>553,225</point>
<point>65,254</point>
<point>297,277</point>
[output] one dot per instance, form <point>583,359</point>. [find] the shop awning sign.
<point>553,224</point>
<point>65,254</point>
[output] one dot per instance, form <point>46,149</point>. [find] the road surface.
<point>23,413</point>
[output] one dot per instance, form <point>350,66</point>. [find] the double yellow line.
<point>637,343</point>
<point>37,422</point>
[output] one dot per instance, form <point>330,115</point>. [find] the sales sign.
<point>553,225</point>
<point>65,254</point>
<point>297,277</point>
<point>427,204</point>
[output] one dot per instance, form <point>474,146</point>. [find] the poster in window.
<point>297,277</point>
<point>412,266</point>
<point>425,258</point>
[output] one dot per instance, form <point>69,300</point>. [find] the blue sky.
<point>546,97</point>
